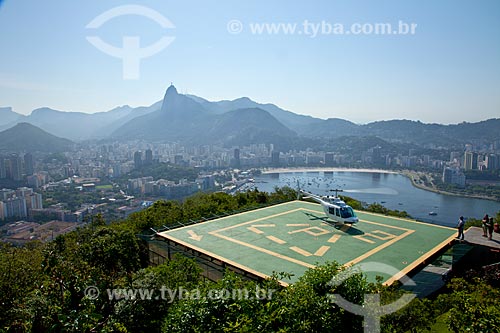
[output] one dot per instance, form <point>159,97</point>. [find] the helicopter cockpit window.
<point>346,212</point>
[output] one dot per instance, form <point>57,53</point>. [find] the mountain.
<point>76,125</point>
<point>246,126</point>
<point>294,121</point>
<point>186,118</point>
<point>332,128</point>
<point>29,138</point>
<point>112,126</point>
<point>193,119</point>
<point>437,134</point>
<point>179,118</point>
<point>9,118</point>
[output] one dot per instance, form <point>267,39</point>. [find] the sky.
<point>447,71</point>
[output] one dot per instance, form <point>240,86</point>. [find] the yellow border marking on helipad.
<point>419,260</point>
<point>380,247</point>
<point>406,220</point>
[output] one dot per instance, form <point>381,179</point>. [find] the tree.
<point>471,307</point>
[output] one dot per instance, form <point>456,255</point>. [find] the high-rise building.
<point>6,193</point>
<point>29,167</point>
<point>455,155</point>
<point>178,159</point>
<point>329,159</point>
<point>8,168</point>
<point>2,168</point>
<point>117,170</point>
<point>453,176</point>
<point>16,207</point>
<point>149,157</point>
<point>236,160</point>
<point>138,159</point>
<point>2,211</point>
<point>16,171</point>
<point>275,158</point>
<point>34,201</point>
<point>492,162</point>
<point>470,161</point>
<point>24,191</point>
<point>33,181</point>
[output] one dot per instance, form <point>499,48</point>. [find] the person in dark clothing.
<point>460,226</point>
<point>490,226</point>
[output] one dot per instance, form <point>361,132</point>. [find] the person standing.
<point>485,221</point>
<point>490,228</point>
<point>460,226</point>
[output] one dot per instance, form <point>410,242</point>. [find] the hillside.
<point>184,118</point>
<point>29,138</point>
<point>195,120</point>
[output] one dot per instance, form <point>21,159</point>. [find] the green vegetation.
<point>374,208</point>
<point>72,197</point>
<point>45,287</point>
<point>202,206</point>
<point>483,175</point>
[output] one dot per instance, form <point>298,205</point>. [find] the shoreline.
<point>324,169</point>
<point>409,174</point>
<point>406,173</point>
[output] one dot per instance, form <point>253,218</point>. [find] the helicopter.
<point>335,209</point>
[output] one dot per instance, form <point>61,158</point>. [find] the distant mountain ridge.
<point>184,118</point>
<point>76,126</point>
<point>28,138</point>
<point>195,120</point>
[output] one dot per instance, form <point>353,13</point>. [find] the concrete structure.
<point>470,160</point>
<point>29,165</point>
<point>295,236</point>
<point>453,176</point>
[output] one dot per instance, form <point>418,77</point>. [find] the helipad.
<point>294,236</point>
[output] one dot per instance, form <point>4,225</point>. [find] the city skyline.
<point>446,72</point>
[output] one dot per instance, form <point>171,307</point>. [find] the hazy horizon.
<point>148,105</point>
<point>447,72</point>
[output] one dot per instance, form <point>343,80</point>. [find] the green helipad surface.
<point>294,236</point>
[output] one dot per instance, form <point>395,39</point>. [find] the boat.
<point>433,213</point>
